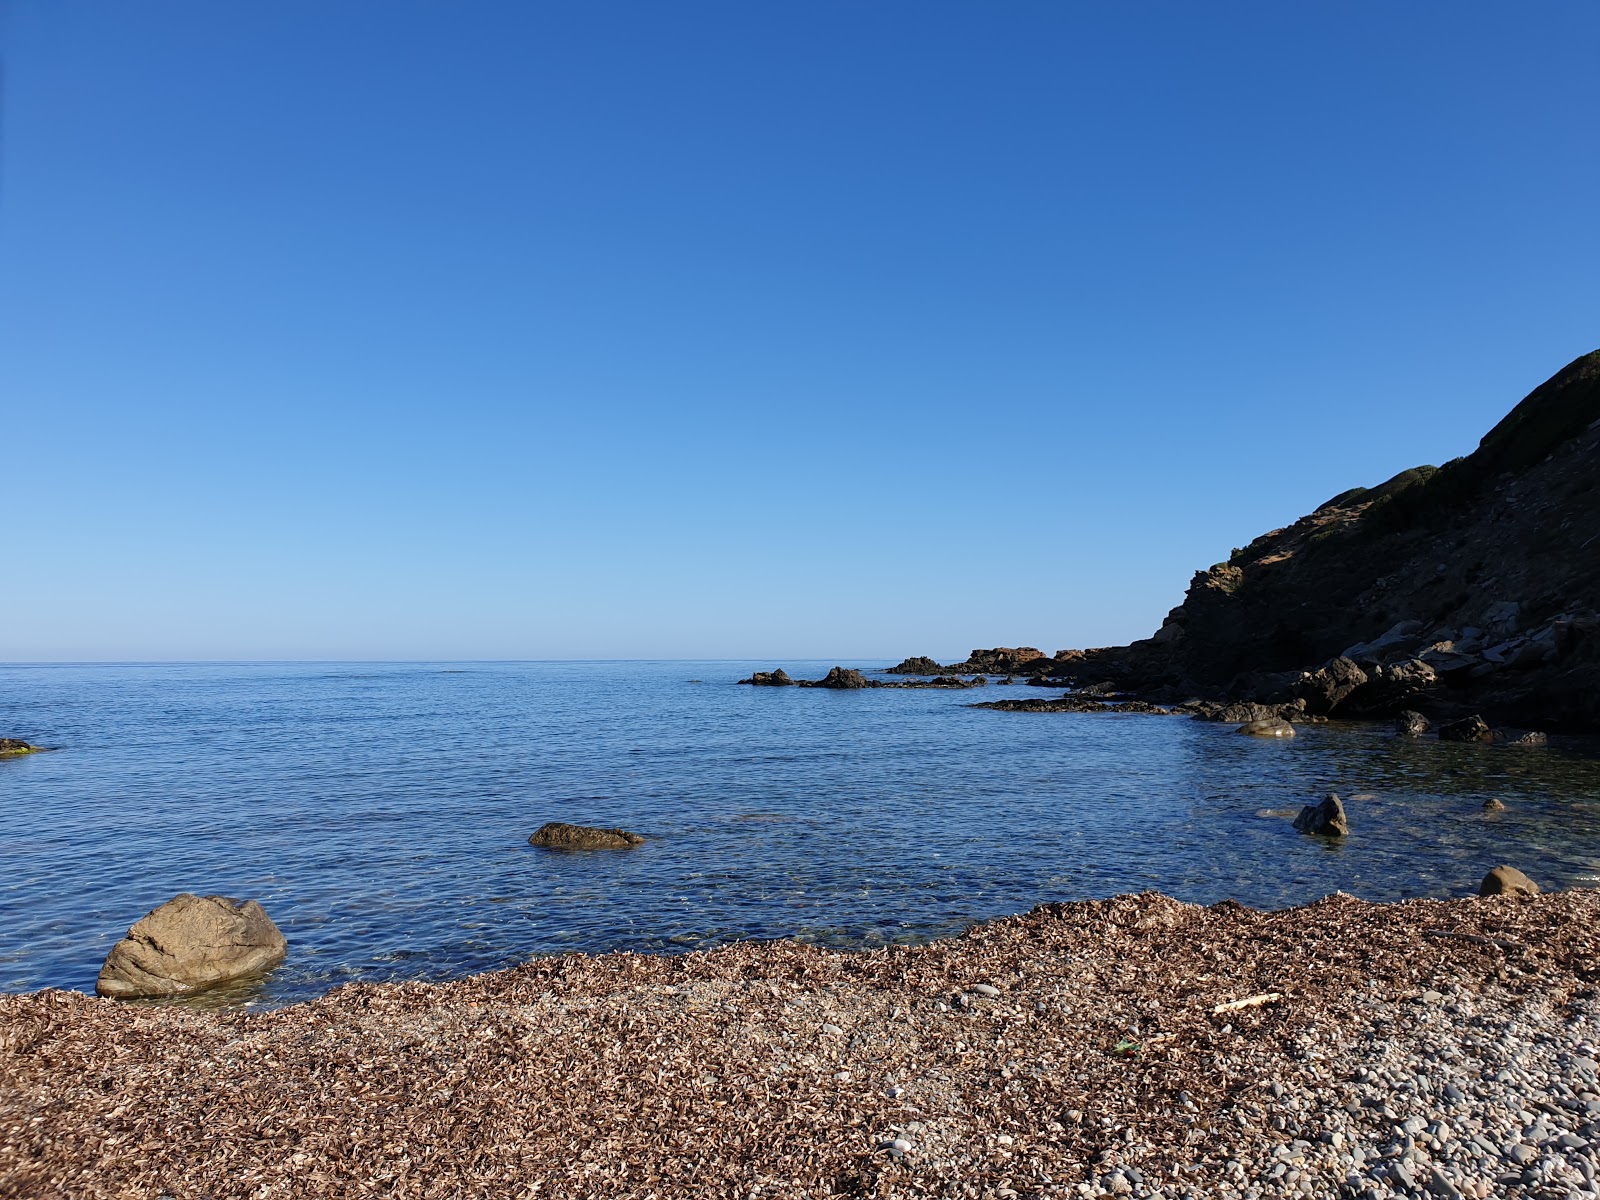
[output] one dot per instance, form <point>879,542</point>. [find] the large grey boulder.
<point>558,835</point>
<point>189,943</point>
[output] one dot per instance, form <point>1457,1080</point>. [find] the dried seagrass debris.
<point>626,1075</point>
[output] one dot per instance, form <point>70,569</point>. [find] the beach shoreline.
<point>1080,1049</point>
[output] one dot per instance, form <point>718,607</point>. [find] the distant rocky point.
<point>1002,660</point>
<point>849,679</point>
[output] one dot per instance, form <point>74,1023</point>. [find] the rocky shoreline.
<point>1134,1046</point>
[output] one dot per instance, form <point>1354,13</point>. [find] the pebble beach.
<point>1136,1046</point>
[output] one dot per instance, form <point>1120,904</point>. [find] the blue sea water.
<point>381,812</point>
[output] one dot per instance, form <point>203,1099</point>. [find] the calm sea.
<point>381,812</point>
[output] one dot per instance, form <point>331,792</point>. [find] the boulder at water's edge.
<point>1507,881</point>
<point>189,943</point>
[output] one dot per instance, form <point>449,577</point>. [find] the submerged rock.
<point>16,747</point>
<point>1272,727</point>
<point>189,943</point>
<point>1326,819</point>
<point>1532,738</point>
<point>558,835</point>
<point>1493,804</point>
<point>1469,729</point>
<point>1507,881</point>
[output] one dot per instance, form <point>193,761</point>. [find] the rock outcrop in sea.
<point>558,835</point>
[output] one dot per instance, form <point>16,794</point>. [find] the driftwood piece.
<point>1247,1002</point>
<point>1463,936</point>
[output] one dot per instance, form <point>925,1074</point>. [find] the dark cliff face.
<point>1488,568</point>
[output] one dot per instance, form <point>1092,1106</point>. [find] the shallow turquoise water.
<point>381,811</point>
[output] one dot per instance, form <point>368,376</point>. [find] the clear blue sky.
<point>384,329</point>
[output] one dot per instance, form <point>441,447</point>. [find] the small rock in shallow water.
<point>558,835</point>
<point>1326,819</point>
<point>1493,805</point>
<point>1273,727</point>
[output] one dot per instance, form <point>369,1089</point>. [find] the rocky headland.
<point>1444,593</point>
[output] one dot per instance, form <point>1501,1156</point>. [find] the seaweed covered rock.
<point>558,835</point>
<point>190,943</point>
<point>16,747</point>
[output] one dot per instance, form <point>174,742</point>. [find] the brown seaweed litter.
<point>1132,1046</point>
